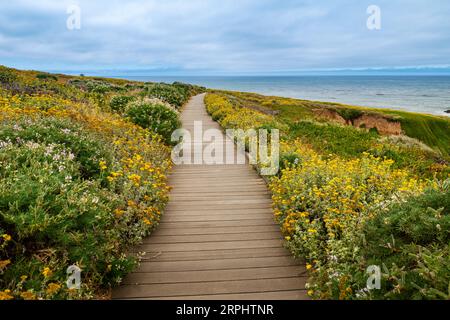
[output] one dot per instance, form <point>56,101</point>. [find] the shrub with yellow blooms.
<point>79,186</point>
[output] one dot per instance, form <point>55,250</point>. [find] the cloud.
<point>223,36</point>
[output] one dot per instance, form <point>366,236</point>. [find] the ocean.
<point>426,94</point>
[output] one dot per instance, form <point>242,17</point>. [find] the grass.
<point>343,141</point>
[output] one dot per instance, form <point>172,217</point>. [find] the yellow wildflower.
<point>136,179</point>
<point>4,263</point>
<point>53,288</point>
<point>47,272</point>
<point>102,165</point>
<point>5,295</point>
<point>28,295</point>
<point>119,212</point>
<point>6,237</point>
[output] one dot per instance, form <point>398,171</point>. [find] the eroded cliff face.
<point>330,115</point>
<point>383,124</point>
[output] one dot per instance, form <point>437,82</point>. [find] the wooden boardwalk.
<point>217,239</point>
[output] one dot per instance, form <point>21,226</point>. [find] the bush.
<point>119,103</point>
<point>221,113</point>
<point>349,114</point>
<point>46,76</point>
<point>344,141</point>
<point>7,76</point>
<point>157,117</point>
<point>87,151</point>
<point>77,187</point>
<point>321,205</point>
<point>411,242</point>
<point>94,86</point>
<point>167,93</point>
<point>188,89</point>
<point>215,102</point>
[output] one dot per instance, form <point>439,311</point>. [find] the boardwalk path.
<point>217,239</point>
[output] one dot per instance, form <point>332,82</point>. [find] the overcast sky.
<point>224,36</point>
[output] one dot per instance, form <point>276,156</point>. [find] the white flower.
<point>4,144</point>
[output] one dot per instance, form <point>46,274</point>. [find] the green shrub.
<point>287,160</point>
<point>119,103</point>
<point>167,93</point>
<point>67,197</point>
<point>87,150</point>
<point>221,113</point>
<point>7,76</point>
<point>46,76</point>
<point>349,114</point>
<point>189,89</point>
<point>157,117</point>
<point>94,86</point>
<point>341,140</point>
<point>54,211</point>
<point>412,243</point>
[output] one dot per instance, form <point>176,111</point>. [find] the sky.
<point>209,37</point>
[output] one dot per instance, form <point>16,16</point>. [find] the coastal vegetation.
<point>349,197</point>
<point>83,176</point>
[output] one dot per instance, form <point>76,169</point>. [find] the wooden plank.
<point>216,264</point>
<point>215,254</point>
<point>213,287</point>
<point>198,246</point>
<point>219,224</point>
<point>258,296</point>
<point>218,197</point>
<point>213,237</point>
<point>214,275</point>
<point>245,192</point>
<point>266,212</point>
<point>205,205</point>
<point>189,183</point>
<point>187,190</point>
<point>224,217</point>
<point>215,230</point>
